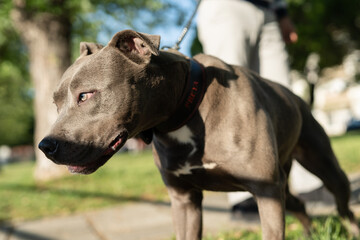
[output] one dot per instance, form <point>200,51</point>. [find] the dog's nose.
<point>49,146</point>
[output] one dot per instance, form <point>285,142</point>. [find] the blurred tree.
<point>47,28</point>
<point>16,106</point>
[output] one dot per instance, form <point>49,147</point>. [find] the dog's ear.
<point>146,136</point>
<point>138,47</point>
<point>87,48</point>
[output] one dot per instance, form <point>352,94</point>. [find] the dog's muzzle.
<point>80,158</point>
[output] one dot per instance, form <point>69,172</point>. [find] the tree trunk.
<point>47,38</point>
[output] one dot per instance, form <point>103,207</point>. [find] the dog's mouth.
<point>116,144</point>
<point>91,167</point>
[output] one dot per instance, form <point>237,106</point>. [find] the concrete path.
<point>152,221</point>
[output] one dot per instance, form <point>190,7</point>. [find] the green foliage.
<point>16,122</point>
<point>330,28</point>
<point>5,22</point>
<point>16,106</point>
<point>196,46</point>
<point>72,9</point>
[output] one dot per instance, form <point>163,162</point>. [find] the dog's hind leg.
<point>297,208</point>
<point>314,153</point>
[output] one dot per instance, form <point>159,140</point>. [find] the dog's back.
<point>298,135</point>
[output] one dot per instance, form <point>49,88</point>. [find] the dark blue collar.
<point>190,101</point>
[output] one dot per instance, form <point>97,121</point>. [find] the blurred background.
<point>40,39</point>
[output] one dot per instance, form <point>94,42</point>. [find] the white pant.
<point>241,33</point>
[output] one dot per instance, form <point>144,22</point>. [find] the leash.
<point>185,29</point>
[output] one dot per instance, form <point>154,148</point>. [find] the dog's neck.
<point>191,98</point>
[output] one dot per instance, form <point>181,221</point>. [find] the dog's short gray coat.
<point>244,135</point>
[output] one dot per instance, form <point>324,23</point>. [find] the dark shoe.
<point>244,209</point>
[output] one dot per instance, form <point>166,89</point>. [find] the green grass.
<point>347,149</point>
<point>126,177</point>
<point>134,177</point>
<point>325,228</point>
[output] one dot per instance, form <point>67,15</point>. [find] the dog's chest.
<point>181,152</point>
<point>181,157</point>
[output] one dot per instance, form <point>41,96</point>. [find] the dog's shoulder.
<point>211,61</point>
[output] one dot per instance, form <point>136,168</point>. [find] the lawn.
<point>325,228</point>
<point>126,177</point>
<point>132,177</point>
<point>347,149</point>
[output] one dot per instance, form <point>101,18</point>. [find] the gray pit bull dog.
<point>214,127</point>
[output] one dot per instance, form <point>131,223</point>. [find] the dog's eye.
<point>84,96</point>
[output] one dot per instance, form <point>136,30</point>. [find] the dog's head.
<point>102,100</point>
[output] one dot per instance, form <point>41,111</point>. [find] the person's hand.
<point>288,30</point>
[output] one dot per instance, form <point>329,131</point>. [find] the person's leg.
<point>273,56</point>
<point>228,29</point>
<point>235,198</point>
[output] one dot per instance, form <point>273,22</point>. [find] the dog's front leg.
<point>271,204</point>
<point>186,208</point>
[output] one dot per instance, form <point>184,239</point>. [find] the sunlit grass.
<point>126,177</point>
<point>324,228</point>
<point>347,149</point>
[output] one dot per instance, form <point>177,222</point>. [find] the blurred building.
<point>336,102</point>
<point>337,96</point>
